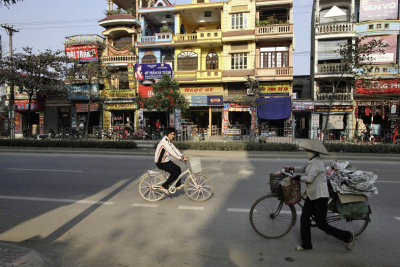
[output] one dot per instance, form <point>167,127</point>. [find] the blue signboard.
<point>152,71</point>
<point>215,100</point>
<point>198,100</point>
<point>81,91</point>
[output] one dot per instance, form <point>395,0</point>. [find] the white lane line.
<point>397,218</point>
<point>145,205</point>
<point>190,208</point>
<point>389,182</point>
<point>58,200</point>
<point>42,170</point>
<point>238,210</point>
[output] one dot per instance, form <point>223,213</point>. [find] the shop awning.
<point>274,108</point>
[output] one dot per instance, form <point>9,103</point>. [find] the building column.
<point>209,121</point>
<point>110,5</point>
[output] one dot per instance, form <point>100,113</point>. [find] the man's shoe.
<point>300,248</point>
<point>180,187</point>
<point>350,245</point>
<point>163,190</point>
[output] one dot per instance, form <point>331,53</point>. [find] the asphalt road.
<point>85,210</point>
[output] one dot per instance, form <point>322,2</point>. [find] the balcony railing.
<point>337,96</point>
<point>184,38</point>
<point>206,35</point>
<point>83,39</point>
<point>185,75</point>
<point>274,29</point>
<point>209,74</point>
<point>119,59</point>
<point>344,27</point>
<point>274,71</point>
<point>332,68</point>
<point>157,38</point>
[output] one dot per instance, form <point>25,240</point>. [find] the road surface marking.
<point>237,210</point>
<point>397,218</point>
<point>190,208</point>
<point>42,170</point>
<point>58,200</point>
<point>390,182</point>
<point>144,205</point>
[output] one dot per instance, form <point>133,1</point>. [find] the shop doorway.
<point>241,120</point>
<point>302,125</point>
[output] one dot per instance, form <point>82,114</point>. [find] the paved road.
<point>84,210</point>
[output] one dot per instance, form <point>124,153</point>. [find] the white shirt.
<point>164,149</point>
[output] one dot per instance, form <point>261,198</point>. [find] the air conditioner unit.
<point>250,92</point>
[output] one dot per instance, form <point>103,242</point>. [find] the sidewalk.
<point>18,256</point>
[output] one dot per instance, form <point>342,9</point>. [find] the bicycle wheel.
<point>271,217</point>
<point>149,185</point>
<point>356,226</point>
<point>198,187</point>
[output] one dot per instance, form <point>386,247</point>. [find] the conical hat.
<point>314,145</point>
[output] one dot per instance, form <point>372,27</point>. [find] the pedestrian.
<point>316,203</point>
<point>164,150</point>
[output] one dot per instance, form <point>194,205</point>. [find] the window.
<point>371,27</point>
<point>239,61</point>
<point>149,59</point>
<point>187,61</point>
<point>212,61</point>
<point>207,14</point>
<point>274,57</point>
<point>386,25</point>
<point>239,21</point>
<point>379,26</point>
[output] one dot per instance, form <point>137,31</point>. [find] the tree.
<point>7,3</point>
<point>166,98</point>
<point>35,74</point>
<point>355,56</point>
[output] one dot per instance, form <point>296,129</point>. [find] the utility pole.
<point>10,30</point>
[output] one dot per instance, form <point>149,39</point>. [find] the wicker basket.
<point>195,165</point>
<point>292,192</point>
<point>274,182</point>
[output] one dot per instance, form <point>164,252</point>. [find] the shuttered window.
<point>328,49</point>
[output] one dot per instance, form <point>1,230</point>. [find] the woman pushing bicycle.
<point>316,203</point>
<point>164,150</point>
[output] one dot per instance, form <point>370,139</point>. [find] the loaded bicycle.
<point>271,217</point>
<point>197,186</point>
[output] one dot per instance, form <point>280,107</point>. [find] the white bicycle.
<point>197,186</point>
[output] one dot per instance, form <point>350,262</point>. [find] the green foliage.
<point>165,28</point>
<point>166,98</point>
<point>68,143</point>
<point>7,3</point>
<point>235,146</point>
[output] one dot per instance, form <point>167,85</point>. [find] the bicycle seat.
<point>157,171</point>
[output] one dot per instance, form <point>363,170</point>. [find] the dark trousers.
<point>174,171</point>
<point>318,208</point>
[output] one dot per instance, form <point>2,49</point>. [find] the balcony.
<point>114,20</point>
<point>280,31</point>
<point>335,28</point>
<point>274,72</point>
<point>209,75</point>
<point>185,38</point>
<point>332,68</point>
<point>201,37</point>
<point>158,39</point>
<point>336,97</point>
<point>83,39</point>
<point>119,60</point>
<point>185,75</point>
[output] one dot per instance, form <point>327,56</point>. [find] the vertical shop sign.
<point>106,120</point>
<point>254,125</point>
<point>226,117</point>
<point>17,123</point>
<point>41,122</point>
<point>105,80</point>
<point>131,76</point>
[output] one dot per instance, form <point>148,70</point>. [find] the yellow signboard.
<point>106,120</point>
<point>131,76</point>
<point>120,106</point>
<point>274,88</point>
<point>112,94</point>
<point>202,90</point>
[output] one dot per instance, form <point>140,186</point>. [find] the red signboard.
<point>389,56</point>
<point>82,52</point>
<point>85,107</point>
<point>145,91</point>
<point>23,104</point>
<point>381,87</point>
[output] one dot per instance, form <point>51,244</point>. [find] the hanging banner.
<point>274,88</point>
<point>381,87</point>
<point>131,77</point>
<point>152,71</point>
<point>82,53</point>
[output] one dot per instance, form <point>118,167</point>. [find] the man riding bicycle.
<point>164,150</point>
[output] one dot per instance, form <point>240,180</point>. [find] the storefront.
<point>25,121</point>
<point>302,111</point>
<point>239,119</point>
<point>206,106</point>
<point>339,123</point>
<point>80,117</point>
<point>119,116</point>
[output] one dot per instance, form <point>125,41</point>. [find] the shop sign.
<point>145,91</point>
<point>41,123</point>
<point>106,120</point>
<point>17,123</point>
<point>83,107</point>
<point>200,90</point>
<point>23,104</point>
<point>120,106</point>
<point>152,71</point>
<point>232,131</point>
<point>198,100</point>
<point>334,109</point>
<point>81,91</point>
<point>302,106</point>
<point>274,88</point>
<point>376,57</point>
<point>378,9</point>
<point>82,53</point>
<point>215,100</point>
<point>381,87</point>
<point>131,77</point>
<point>112,94</point>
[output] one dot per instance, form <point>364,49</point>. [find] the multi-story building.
<point>274,65</point>
<point>377,91</point>
<point>119,57</point>
<point>333,25</point>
